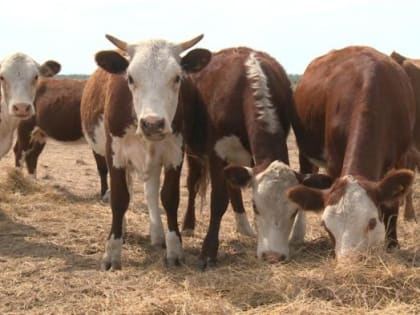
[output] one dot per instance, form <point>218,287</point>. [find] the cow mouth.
<point>22,116</point>
<point>155,136</point>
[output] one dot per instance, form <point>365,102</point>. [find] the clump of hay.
<point>16,182</point>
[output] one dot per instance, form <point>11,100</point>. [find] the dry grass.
<point>52,235</point>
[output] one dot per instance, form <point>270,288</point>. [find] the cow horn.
<point>189,43</point>
<point>117,42</point>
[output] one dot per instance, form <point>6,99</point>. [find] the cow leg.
<point>409,212</point>
<point>305,166</point>
<point>103,173</point>
<point>31,156</point>
<point>195,173</point>
<point>242,223</point>
<point>22,142</point>
<point>390,213</point>
<point>218,203</point>
<point>170,201</point>
<point>151,193</point>
<point>120,199</point>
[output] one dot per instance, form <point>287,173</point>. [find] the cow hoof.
<point>188,232</point>
<point>242,225</point>
<point>392,245</point>
<point>157,236</point>
<point>174,262</point>
<point>207,263</point>
<point>106,197</point>
<point>110,266</point>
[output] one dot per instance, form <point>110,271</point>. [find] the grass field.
<point>53,231</point>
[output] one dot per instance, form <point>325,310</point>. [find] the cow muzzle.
<point>22,110</point>
<point>153,128</point>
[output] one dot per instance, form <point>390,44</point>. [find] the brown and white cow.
<point>132,111</point>
<point>57,116</point>
<point>354,114</point>
<point>412,68</point>
<point>19,74</point>
<point>242,120</point>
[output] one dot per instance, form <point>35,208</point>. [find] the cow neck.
<point>363,154</point>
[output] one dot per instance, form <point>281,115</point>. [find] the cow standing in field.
<point>241,120</point>
<point>132,110</point>
<point>57,116</point>
<point>19,75</point>
<point>354,115</point>
<point>412,68</point>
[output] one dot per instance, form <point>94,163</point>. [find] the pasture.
<point>53,232</point>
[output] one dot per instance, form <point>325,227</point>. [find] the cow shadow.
<point>15,243</point>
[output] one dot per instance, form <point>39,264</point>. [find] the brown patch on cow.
<point>238,176</point>
<point>307,198</point>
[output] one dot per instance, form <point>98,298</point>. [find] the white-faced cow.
<point>19,74</point>
<point>354,114</point>
<point>240,121</point>
<point>412,68</point>
<point>132,109</point>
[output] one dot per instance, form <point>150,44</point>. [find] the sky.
<point>294,32</point>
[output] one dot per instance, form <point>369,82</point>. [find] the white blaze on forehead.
<point>231,150</point>
<point>265,109</point>
<point>274,217</point>
<point>153,67</point>
<point>348,221</point>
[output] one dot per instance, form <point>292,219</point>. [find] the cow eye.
<point>1,78</point>
<point>35,78</point>
<point>130,79</point>
<point>177,79</point>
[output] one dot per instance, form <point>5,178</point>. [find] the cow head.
<point>274,212</point>
<point>18,77</point>
<point>154,70</point>
<point>352,215</point>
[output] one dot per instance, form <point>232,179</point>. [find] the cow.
<point>19,75</point>
<point>132,109</point>
<point>354,115</point>
<point>412,67</point>
<point>240,128</point>
<point>57,116</point>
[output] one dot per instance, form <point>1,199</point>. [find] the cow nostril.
<point>160,123</point>
<point>27,109</point>
<point>15,108</point>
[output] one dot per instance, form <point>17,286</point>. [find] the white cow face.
<point>352,215</point>
<point>274,212</point>
<point>154,71</point>
<point>18,77</point>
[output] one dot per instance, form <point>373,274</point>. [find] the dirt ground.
<point>53,232</point>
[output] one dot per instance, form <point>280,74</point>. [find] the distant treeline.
<point>294,78</point>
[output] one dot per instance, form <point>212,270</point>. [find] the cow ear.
<point>309,199</point>
<point>111,61</point>
<point>320,181</point>
<point>394,185</point>
<point>239,176</point>
<point>195,60</point>
<point>49,68</point>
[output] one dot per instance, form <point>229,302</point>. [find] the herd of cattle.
<point>229,113</point>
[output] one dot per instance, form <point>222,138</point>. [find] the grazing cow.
<point>19,74</point>
<point>132,109</point>
<point>241,120</point>
<point>412,68</point>
<point>354,114</point>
